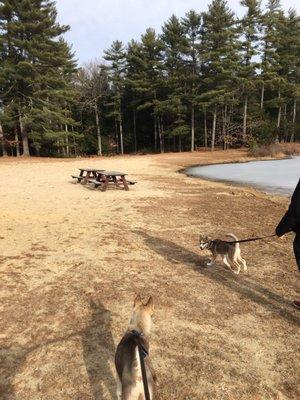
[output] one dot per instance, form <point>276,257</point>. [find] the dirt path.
<point>71,260</point>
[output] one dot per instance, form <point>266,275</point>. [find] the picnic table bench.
<point>86,174</point>
<point>106,178</point>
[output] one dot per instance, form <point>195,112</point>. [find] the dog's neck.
<point>139,329</point>
<point>210,244</point>
<point>140,325</point>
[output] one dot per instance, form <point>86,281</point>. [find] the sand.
<point>72,259</point>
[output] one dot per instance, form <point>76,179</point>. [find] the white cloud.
<point>95,24</point>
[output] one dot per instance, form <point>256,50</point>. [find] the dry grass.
<point>275,150</point>
<point>72,259</point>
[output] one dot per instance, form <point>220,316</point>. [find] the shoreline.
<point>229,182</point>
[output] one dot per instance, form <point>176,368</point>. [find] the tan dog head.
<point>141,318</point>
<point>204,242</point>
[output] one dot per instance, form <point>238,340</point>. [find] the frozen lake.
<point>276,176</point>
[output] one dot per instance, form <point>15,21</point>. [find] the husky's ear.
<point>150,305</point>
<point>137,301</point>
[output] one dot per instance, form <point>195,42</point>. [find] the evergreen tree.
<point>289,55</point>
<point>220,61</point>
<point>249,27</point>
<point>116,55</point>
<point>192,24</point>
<point>135,84</point>
<point>36,67</point>
<point>176,46</point>
<point>272,19</point>
<point>145,74</point>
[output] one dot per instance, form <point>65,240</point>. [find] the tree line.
<point>209,79</point>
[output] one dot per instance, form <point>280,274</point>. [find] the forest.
<point>208,80</point>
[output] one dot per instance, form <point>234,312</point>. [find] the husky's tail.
<point>232,236</point>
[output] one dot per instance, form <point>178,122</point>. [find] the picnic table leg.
<point>99,179</point>
<point>86,178</point>
<point>105,183</point>
<point>80,175</point>
<point>115,181</point>
<point>124,182</point>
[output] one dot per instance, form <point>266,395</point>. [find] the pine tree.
<point>176,46</point>
<point>37,67</point>
<point>135,84</point>
<point>6,64</point>
<point>289,55</point>
<point>145,75</point>
<point>220,60</point>
<point>249,26</point>
<point>192,24</point>
<point>117,56</point>
<point>272,19</point>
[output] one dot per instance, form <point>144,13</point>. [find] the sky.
<point>95,24</point>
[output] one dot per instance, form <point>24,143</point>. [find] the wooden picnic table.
<point>105,178</point>
<point>86,174</point>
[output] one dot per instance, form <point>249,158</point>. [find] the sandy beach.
<point>73,258</point>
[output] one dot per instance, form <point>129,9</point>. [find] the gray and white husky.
<point>229,252</point>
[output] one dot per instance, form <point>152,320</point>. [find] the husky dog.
<point>127,361</point>
<point>230,252</point>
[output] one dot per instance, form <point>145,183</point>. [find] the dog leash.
<point>142,354</point>
<point>251,239</point>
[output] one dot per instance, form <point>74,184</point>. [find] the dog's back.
<point>129,369</point>
<point>127,361</point>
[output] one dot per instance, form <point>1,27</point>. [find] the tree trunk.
<point>162,136</point>
<point>262,96</point>
<point>193,128</point>
<point>278,118</point>
<point>213,135</point>
<point>121,137</point>
<point>285,138</point>
<point>225,144</point>
<point>161,145</point>
<point>245,118</point>
<point>24,137</point>
<point>294,120</point>
<point>179,143</point>
<point>63,150</point>
<point>17,142</point>
<point>99,141</point>
<point>279,111</point>
<point>134,131</point>
<point>74,145</point>
<point>3,147</point>
<point>67,141</point>
<point>205,131</point>
<point>117,135</point>
<point>155,133</point>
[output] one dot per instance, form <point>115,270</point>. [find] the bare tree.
<point>92,81</point>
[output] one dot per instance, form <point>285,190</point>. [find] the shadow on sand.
<point>240,284</point>
<point>98,351</point>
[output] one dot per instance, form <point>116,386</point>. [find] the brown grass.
<point>275,150</point>
<point>72,260</point>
